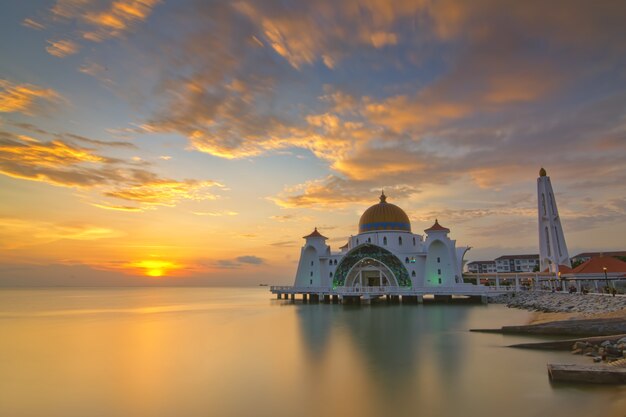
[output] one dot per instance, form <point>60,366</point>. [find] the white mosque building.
<point>384,254</point>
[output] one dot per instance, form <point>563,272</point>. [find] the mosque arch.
<point>382,258</point>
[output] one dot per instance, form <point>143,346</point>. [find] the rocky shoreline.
<point>547,302</point>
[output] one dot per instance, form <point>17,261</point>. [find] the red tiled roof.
<point>315,234</point>
<point>596,266</point>
<point>436,227</point>
<point>592,254</point>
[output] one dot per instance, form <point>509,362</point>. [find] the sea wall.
<point>562,302</point>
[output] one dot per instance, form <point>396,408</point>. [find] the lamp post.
<point>606,278</point>
<point>560,281</point>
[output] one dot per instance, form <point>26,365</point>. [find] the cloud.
<point>101,143</point>
<point>25,98</point>
<point>237,262</point>
<point>19,233</point>
<point>30,23</point>
<point>250,259</point>
<point>62,164</point>
<point>119,207</point>
<point>62,48</point>
<point>91,21</point>
<point>216,213</point>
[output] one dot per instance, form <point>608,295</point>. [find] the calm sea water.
<point>237,352</point>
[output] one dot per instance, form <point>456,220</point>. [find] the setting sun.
<point>154,267</point>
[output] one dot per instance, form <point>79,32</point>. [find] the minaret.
<point>552,246</point>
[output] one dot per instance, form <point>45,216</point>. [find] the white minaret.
<point>552,246</point>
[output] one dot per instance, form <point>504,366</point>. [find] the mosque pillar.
<point>497,282</point>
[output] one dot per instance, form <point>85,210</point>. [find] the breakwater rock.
<point>586,304</point>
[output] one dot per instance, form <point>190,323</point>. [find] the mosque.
<point>385,256</point>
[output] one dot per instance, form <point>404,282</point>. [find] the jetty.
<point>589,374</point>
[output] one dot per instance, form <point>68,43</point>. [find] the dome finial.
<point>383,197</point>
<point>542,172</point>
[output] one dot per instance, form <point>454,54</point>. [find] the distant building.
<point>481,267</point>
<point>585,256</point>
<point>517,263</point>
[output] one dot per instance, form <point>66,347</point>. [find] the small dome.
<point>542,172</point>
<point>384,216</point>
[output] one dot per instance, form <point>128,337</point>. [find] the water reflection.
<point>233,352</point>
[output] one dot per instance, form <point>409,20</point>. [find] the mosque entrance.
<point>371,265</point>
<point>370,273</point>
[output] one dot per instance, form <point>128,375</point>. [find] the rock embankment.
<point>613,352</point>
<point>587,304</point>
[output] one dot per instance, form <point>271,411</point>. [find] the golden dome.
<point>384,216</point>
<point>542,172</point>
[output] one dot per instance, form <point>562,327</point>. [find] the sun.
<point>155,267</point>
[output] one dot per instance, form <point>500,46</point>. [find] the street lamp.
<point>606,278</point>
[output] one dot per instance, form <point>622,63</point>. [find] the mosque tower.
<point>552,246</point>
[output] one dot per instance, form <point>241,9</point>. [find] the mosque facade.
<point>385,253</point>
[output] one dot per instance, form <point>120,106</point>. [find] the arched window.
<point>413,241</point>
<point>369,240</point>
<point>357,241</point>
<point>400,240</point>
<point>385,240</point>
<point>311,274</point>
<point>331,274</point>
<point>543,203</point>
<point>548,240</point>
<point>439,271</point>
<point>438,260</point>
<point>311,263</point>
<point>335,262</point>
<point>406,260</point>
<point>413,273</point>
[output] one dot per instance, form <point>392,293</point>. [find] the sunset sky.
<point>195,142</point>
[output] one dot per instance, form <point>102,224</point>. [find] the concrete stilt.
<point>278,295</point>
<point>304,298</point>
<point>420,299</point>
<point>293,297</point>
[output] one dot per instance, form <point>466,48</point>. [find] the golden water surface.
<point>152,352</point>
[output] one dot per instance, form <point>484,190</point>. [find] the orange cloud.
<point>18,233</point>
<point>121,16</point>
<point>62,164</point>
<point>62,48</point>
<point>24,97</point>
<point>165,192</point>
